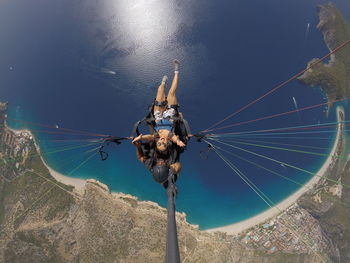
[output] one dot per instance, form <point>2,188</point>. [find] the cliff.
<point>333,77</point>
<point>42,220</point>
<point>329,202</point>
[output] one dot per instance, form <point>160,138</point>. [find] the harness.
<point>117,140</point>
<point>180,126</point>
<point>164,124</point>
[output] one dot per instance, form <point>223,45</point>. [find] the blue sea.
<point>96,65</point>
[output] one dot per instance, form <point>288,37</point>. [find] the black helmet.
<point>160,173</point>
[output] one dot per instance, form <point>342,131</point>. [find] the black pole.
<point>172,245</point>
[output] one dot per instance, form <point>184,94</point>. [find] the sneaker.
<point>177,65</point>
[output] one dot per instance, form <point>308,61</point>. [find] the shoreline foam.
<point>241,226</point>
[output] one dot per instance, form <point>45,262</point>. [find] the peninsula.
<point>47,217</point>
<point>333,77</point>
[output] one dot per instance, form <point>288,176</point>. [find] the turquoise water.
<point>231,53</point>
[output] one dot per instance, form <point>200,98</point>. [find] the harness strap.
<point>174,106</point>
<point>135,131</point>
<point>106,142</point>
<point>160,103</point>
<point>187,127</point>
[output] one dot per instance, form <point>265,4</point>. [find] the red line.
<point>275,115</point>
<point>64,133</point>
<point>53,127</point>
<point>278,87</point>
<point>316,126</point>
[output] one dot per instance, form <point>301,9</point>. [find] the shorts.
<point>167,114</point>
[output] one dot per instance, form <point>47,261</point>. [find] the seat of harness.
<point>179,125</point>
<point>164,124</point>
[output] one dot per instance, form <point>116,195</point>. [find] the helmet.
<point>160,173</point>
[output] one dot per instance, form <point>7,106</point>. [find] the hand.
<point>180,143</point>
<point>137,139</point>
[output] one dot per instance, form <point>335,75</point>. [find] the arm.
<point>176,140</point>
<point>139,153</point>
<point>147,137</point>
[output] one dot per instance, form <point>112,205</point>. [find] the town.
<point>293,231</point>
<point>15,147</point>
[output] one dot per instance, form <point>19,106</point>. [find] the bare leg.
<point>172,100</point>
<point>176,167</point>
<point>161,94</point>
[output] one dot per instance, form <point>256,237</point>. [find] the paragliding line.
<point>279,86</point>
<point>272,205</point>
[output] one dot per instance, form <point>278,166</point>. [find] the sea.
<point>74,71</point>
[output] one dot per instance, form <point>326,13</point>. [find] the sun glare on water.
<point>148,22</point>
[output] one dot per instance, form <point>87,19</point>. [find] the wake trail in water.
<point>108,71</point>
<point>303,44</point>
<point>296,107</point>
<point>307,31</point>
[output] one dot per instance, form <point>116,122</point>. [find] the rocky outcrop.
<point>104,227</point>
<point>42,220</point>
<point>334,76</point>
<point>45,221</point>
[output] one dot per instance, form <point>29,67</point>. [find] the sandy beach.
<point>274,211</point>
<point>235,228</point>
<point>78,184</point>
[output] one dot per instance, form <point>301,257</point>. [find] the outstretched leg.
<point>160,98</point>
<point>172,100</point>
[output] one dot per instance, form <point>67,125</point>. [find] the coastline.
<point>236,228</point>
<point>78,184</point>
